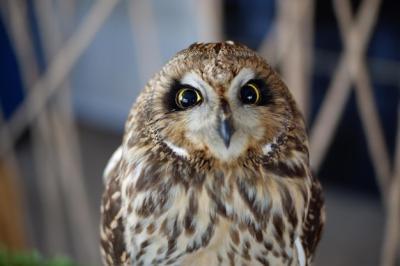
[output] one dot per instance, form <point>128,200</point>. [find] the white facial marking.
<point>202,119</point>
<point>241,78</point>
<point>177,150</point>
<point>267,148</point>
<point>230,42</point>
<point>300,252</point>
<point>197,82</point>
<point>199,116</point>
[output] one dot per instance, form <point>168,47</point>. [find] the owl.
<point>213,168</point>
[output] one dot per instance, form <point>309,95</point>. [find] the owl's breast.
<point>222,220</point>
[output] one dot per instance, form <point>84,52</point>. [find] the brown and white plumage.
<point>218,176</point>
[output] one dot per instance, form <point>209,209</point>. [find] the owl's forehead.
<point>216,74</point>
<point>218,63</point>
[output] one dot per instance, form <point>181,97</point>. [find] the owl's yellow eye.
<point>250,94</point>
<point>187,97</point>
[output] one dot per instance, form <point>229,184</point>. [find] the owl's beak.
<point>225,123</point>
<point>226,130</point>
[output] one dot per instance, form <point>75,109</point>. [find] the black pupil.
<point>248,94</point>
<point>189,98</point>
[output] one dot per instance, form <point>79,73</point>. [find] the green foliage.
<point>30,259</point>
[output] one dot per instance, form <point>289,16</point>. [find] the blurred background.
<point>70,71</point>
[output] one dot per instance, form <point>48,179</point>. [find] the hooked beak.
<point>226,130</point>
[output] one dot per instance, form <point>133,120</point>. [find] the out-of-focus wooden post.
<point>12,226</point>
<point>13,233</point>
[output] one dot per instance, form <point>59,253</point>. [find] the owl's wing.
<point>112,227</point>
<point>314,221</point>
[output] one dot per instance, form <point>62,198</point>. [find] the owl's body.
<point>221,179</point>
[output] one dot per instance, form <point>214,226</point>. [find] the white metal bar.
<point>208,14</point>
<point>338,91</point>
<point>364,97</point>
<point>59,68</point>
<point>67,147</point>
<point>297,32</point>
<point>54,235</point>
<point>146,38</point>
<point>391,241</point>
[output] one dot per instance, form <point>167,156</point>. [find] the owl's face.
<point>218,98</point>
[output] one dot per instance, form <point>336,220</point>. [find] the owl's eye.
<point>250,93</point>
<point>187,97</point>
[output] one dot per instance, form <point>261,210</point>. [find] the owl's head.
<point>218,98</point>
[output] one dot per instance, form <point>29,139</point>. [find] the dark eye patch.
<point>170,99</point>
<point>266,97</point>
